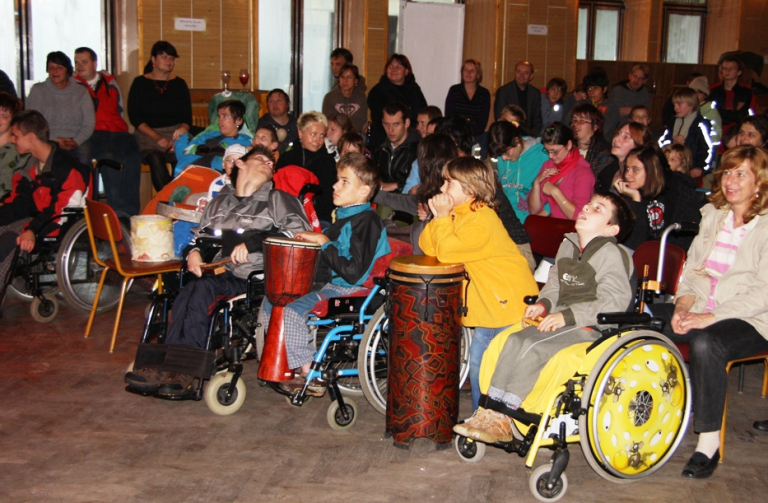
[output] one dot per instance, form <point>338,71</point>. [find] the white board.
<point>432,36</point>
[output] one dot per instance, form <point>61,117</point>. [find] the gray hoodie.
<point>69,111</point>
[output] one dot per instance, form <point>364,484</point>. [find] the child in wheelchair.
<point>243,217</point>
<point>592,274</point>
<point>349,249</point>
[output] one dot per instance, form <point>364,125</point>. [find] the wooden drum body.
<point>289,270</point>
<point>424,349</point>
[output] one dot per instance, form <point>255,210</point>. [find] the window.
<point>599,29</point>
<point>306,28</point>
<point>683,40</point>
<point>43,26</point>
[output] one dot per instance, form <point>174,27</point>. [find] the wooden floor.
<point>70,432</point>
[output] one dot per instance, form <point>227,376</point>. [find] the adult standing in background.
<point>347,98</point>
<point>340,57</point>
<point>469,100</point>
<point>519,93</point>
<point>398,84</point>
<point>110,139</point>
<point>625,95</point>
<point>66,106</point>
<point>160,108</point>
<point>733,101</point>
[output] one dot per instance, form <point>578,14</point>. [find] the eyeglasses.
<point>576,121</point>
<point>552,153</point>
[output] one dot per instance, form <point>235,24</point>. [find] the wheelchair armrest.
<point>254,288</point>
<point>622,318</point>
<point>530,299</point>
<point>381,282</point>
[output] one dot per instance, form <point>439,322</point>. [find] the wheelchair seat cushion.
<point>322,307</point>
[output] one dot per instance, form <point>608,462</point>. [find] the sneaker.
<point>495,427</point>
<point>478,417</point>
<point>315,388</point>
<point>145,379</point>
<point>174,384</point>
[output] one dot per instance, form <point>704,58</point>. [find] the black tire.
<point>78,274</point>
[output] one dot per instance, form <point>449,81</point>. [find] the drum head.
<point>423,264</point>
<point>290,242</point>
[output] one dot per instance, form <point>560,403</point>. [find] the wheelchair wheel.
<point>538,484</point>
<point>216,394</point>
<point>372,360</point>
<point>18,285</point>
<point>336,416</point>
<point>44,311</point>
<point>469,450</point>
<point>638,402</point>
<point>78,274</point>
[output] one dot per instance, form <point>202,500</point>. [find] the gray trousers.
<point>524,356</point>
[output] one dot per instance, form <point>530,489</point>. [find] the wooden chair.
<point>762,357</point>
<point>103,224</point>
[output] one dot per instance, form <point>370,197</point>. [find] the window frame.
<point>684,9</point>
<point>592,7</point>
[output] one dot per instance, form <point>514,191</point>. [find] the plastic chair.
<point>547,233</point>
<point>103,224</point>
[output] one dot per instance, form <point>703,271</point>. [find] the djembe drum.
<point>424,349</point>
<point>289,270</point>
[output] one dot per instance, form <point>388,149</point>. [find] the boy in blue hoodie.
<point>349,249</point>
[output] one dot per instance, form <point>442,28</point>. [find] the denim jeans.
<point>480,340</point>
<point>121,187</point>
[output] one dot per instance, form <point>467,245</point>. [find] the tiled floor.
<point>70,432</point>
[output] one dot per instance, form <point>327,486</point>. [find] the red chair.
<point>547,233</point>
<point>647,254</point>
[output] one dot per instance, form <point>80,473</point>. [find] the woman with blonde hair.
<point>721,306</point>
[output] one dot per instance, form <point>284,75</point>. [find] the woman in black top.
<point>397,84</point>
<point>469,100</point>
<point>160,108</point>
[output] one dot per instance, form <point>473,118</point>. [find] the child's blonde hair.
<point>686,158</point>
<point>476,178</point>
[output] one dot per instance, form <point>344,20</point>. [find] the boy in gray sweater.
<point>591,275</point>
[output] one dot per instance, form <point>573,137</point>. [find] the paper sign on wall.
<point>189,24</point>
<point>537,29</point>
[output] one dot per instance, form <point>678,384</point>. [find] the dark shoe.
<point>761,426</point>
<point>700,466</point>
<point>145,380</point>
<point>315,388</point>
<point>175,384</point>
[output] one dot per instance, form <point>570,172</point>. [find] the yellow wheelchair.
<point>626,398</point>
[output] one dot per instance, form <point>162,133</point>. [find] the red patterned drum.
<point>289,270</point>
<point>424,344</point>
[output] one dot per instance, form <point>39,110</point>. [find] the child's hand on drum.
<point>312,237</point>
<point>441,205</point>
<point>552,322</point>
<point>239,254</point>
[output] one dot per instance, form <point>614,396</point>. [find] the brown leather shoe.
<point>174,384</point>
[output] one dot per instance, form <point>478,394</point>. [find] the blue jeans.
<point>480,340</point>
<point>121,187</point>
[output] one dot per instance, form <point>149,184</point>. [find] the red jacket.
<point>64,181</point>
<point>108,103</point>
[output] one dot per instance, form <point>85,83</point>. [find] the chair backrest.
<point>547,233</point>
<point>674,259</point>
<point>293,179</point>
<point>397,249</point>
<point>96,211</point>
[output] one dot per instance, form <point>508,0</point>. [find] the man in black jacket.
<point>395,156</point>
<point>518,92</point>
<point>733,100</point>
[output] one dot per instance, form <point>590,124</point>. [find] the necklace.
<point>159,89</point>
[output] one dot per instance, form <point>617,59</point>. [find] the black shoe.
<point>700,466</point>
<point>761,426</point>
<point>174,384</point>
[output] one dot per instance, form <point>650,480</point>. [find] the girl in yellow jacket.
<point>465,229</point>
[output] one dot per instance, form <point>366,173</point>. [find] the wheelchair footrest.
<point>187,360</point>
<point>527,418</point>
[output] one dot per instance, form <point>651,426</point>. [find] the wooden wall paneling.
<point>559,51</point>
<point>722,30</point>
<point>480,35</point>
<point>538,46</point>
<point>354,29</point>
<point>254,58</point>
<point>515,39</point>
<point>207,46</point>
<point>635,36</point>
<point>376,40</point>
<point>182,40</point>
<point>236,35</point>
<point>150,18</point>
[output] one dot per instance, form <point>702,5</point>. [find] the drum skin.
<point>424,347</point>
<point>289,270</point>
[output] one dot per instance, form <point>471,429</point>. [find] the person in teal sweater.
<point>207,148</point>
<point>518,161</point>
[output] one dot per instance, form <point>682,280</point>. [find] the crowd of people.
<point>453,185</point>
